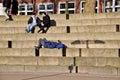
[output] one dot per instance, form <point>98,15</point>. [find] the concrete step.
<point>78,65</point>
<point>98,61</point>
<point>63,36</point>
<point>100,52</point>
<point>11,30</point>
<point>94,16</point>
<point>42,61</point>
<point>13,24</point>
<point>69,43</point>
<point>31,52</point>
<point>61,61</point>
<point>18,44</point>
<point>64,29</point>
<point>34,68</point>
<point>17,52</point>
<point>93,43</point>
<point>107,70</point>
<point>22,23</point>
<point>71,16</point>
<point>26,17</point>
<point>104,21</point>
<point>68,52</point>
<point>61,69</point>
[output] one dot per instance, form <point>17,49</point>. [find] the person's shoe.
<point>38,31</point>
<point>26,31</point>
<point>10,19</point>
<point>59,41</point>
<point>43,31</point>
<point>7,19</point>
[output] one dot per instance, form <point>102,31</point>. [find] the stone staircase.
<point>92,40</point>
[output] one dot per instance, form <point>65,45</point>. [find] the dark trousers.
<point>42,28</point>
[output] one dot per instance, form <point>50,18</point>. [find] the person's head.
<point>34,13</point>
<point>43,13</point>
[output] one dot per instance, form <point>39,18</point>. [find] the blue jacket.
<point>53,45</point>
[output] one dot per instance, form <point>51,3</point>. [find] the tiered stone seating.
<point>63,29</point>
<point>92,40</point>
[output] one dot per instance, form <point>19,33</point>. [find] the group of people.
<point>34,21</point>
<point>10,7</point>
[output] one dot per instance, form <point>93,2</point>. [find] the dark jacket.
<point>37,20</point>
<point>7,3</point>
<point>46,21</point>
<point>14,7</point>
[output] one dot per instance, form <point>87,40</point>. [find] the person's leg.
<point>39,44</point>
<point>46,27</point>
<point>41,29</point>
<point>43,41</point>
<point>9,14</point>
<point>30,27</point>
<point>5,12</point>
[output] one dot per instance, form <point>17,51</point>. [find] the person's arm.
<point>30,20</point>
<point>38,21</point>
<point>47,20</point>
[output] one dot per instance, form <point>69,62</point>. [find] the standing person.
<point>6,9</point>
<point>14,7</point>
<point>46,23</point>
<point>32,22</point>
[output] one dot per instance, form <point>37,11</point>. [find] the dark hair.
<point>44,13</point>
<point>34,13</point>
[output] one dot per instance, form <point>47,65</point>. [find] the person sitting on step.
<point>46,23</point>
<point>33,21</point>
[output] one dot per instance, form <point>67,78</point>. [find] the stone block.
<point>17,52</point>
<point>73,52</point>
<point>50,52</point>
<point>15,68</point>
<point>24,44</point>
<point>98,61</point>
<point>66,61</point>
<point>30,68</point>
<point>48,61</point>
<point>99,52</point>
<point>98,70</point>
<point>61,61</point>
<point>118,71</point>
<point>18,60</point>
<point>3,44</point>
<point>60,69</point>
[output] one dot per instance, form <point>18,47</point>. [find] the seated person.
<point>32,22</point>
<point>49,44</point>
<point>46,23</point>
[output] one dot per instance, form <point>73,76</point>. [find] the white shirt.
<point>34,19</point>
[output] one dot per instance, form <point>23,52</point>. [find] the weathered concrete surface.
<point>55,76</point>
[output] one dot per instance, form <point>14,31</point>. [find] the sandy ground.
<point>55,76</point>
